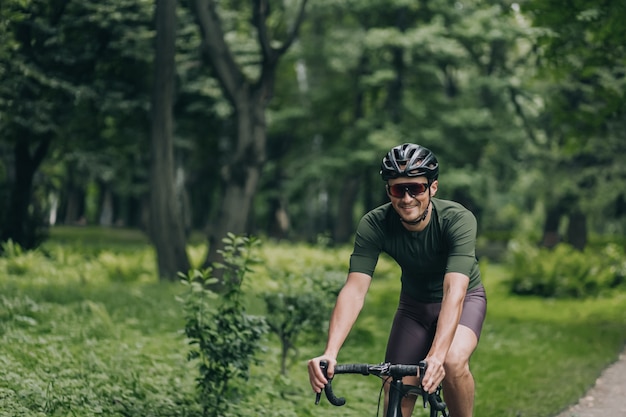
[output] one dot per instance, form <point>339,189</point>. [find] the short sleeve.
<point>461,237</point>
<point>367,246</point>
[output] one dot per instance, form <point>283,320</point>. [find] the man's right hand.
<point>316,376</point>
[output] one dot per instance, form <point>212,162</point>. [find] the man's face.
<point>410,196</point>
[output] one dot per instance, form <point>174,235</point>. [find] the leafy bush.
<point>301,306</point>
<point>564,271</point>
<point>224,336</point>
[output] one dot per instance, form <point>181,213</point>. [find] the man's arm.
<point>347,308</point>
<point>454,291</point>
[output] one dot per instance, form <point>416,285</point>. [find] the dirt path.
<point>607,398</point>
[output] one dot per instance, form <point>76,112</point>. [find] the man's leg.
<point>458,385</point>
<point>409,341</point>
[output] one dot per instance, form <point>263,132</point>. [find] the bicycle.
<point>397,389</point>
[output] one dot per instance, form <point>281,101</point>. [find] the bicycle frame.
<point>396,392</point>
<point>397,389</point>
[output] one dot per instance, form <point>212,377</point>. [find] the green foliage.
<point>19,261</point>
<point>362,76</point>
<point>123,268</point>
<point>580,77</point>
<point>225,337</point>
<point>566,272</point>
<point>76,343</point>
<point>301,306</point>
<point>93,265</point>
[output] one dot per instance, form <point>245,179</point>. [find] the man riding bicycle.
<point>442,303</point>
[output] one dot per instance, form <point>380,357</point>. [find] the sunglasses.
<point>413,188</point>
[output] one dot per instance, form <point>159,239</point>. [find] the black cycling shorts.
<point>414,325</point>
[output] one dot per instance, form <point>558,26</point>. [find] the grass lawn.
<point>87,330</point>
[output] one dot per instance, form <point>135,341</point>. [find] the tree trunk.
<point>240,175</point>
<point>166,228</point>
<point>73,198</point>
<point>577,230</point>
<point>19,225</point>
<point>551,227</point>
<point>106,216</point>
<point>278,219</point>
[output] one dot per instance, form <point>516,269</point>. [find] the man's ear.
<point>433,188</point>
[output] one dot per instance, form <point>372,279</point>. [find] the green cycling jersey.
<point>447,244</point>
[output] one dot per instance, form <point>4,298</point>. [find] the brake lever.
<point>324,368</point>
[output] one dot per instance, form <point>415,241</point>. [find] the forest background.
<point>136,135</point>
<point>272,119</point>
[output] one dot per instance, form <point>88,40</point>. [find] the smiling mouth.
<point>409,207</point>
<point>409,214</point>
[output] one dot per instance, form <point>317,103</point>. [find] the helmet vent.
<point>409,160</point>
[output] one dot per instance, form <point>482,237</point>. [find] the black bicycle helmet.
<point>409,160</point>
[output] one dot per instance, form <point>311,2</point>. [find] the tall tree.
<point>249,99</point>
<point>166,229</point>
<point>34,90</point>
<point>72,87</point>
<point>582,58</point>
